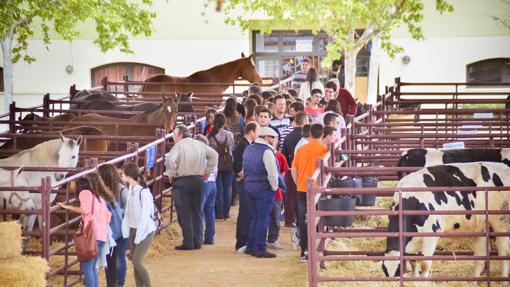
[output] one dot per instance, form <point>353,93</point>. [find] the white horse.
<point>15,199</point>
<point>61,152</point>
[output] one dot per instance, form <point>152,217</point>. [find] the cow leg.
<point>416,272</point>
<point>503,250</point>
<point>479,249</point>
<point>502,242</point>
<point>429,247</point>
<point>413,247</point>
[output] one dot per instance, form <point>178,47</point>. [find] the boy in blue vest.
<point>260,183</point>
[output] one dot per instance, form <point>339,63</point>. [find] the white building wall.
<point>177,57</point>
<point>439,59</point>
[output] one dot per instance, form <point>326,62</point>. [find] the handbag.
<point>85,242</point>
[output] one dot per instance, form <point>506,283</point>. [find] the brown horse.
<point>27,142</point>
<point>142,107</point>
<point>243,68</point>
<point>33,127</point>
<point>164,116</point>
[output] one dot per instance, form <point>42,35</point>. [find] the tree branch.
<point>368,34</point>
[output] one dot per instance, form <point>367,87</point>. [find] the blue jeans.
<point>261,203</point>
<point>207,209</point>
<point>244,217</point>
<point>122,245</point>
<point>224,193</point>
<point>89,268</point>
<point>274,225</point>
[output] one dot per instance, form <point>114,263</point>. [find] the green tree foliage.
<point>350,23</point>
<point>114,21</point>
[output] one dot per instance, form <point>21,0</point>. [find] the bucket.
<point>338,204</point>
<point>348,183</point>
<point>368,199</point>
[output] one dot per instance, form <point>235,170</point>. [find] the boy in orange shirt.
<point>303,167</point>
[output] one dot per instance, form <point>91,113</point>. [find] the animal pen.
<point>147,152</point>
<point>372,142</point>
<point>408,115</point>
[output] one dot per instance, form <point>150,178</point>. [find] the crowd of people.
<point>263,149</point>
<point>259,153</point>
<point>120,208</point>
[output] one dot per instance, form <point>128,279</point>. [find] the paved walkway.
<point>219,265</point>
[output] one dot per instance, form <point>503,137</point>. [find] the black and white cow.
<point>428,156</point>
<point>458,174</point>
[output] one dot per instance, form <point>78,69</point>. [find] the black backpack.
<point>225,160</point>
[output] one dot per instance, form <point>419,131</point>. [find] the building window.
<point>278,54</point>
<point>495,70</point>
<point>116,72</point>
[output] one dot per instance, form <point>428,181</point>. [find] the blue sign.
<point>151,155</point>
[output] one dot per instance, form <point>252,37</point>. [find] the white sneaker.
<point>275,245</point>
<point>294,239</point>
<point>304,258</point>
<point>241,250</point>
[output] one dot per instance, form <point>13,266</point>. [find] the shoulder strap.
<point>93,195</point>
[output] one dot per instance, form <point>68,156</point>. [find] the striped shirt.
<point>297,79</point>
<point>282,125</point>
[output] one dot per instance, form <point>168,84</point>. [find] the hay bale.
<point>10,236</point>
<point>23,271</point>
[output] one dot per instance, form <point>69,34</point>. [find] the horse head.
<point>170,110</point>
<point>185,98</point>
<point>248,71</point>
<point>27,128</point>
<point>68,154</point>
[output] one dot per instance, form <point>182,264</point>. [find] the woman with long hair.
<point>249,106</point>
<point>312,82</point>
<point>222,141</point>
<point>233,120</point>
<point>138,224</point>
<point>207,124</point>
<point>116,260</point>
<point>93,211</point>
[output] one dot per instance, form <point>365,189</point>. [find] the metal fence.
<point>434,115</point>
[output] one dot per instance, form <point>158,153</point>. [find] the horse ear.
<point>79,140</point>
<point>178,96</point>
<point>62,137</point>
<point>18,170</point>
<point>242,55</point>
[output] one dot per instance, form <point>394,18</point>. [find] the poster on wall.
<point>304,45</point>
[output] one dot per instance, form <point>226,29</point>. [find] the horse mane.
<point>218,67</point>
<point>45,153</point>
<point>42,151</point>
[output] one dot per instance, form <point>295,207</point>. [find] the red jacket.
<point>347,103</point>
<point>284,167</point>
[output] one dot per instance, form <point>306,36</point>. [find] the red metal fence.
<point>434,115</point>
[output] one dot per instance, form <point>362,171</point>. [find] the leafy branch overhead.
<point>350,23</point>
<point>115,21</point>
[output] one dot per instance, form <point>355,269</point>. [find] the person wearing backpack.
<point>138,222</point>
<point>116,260</point>
<point>222,141</point>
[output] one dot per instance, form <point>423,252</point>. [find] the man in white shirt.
<point>187,163</point>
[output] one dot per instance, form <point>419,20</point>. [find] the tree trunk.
<point>373,71</point>
<point>350,63</point>
<point>6,44</point>
<point>350,71</point>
